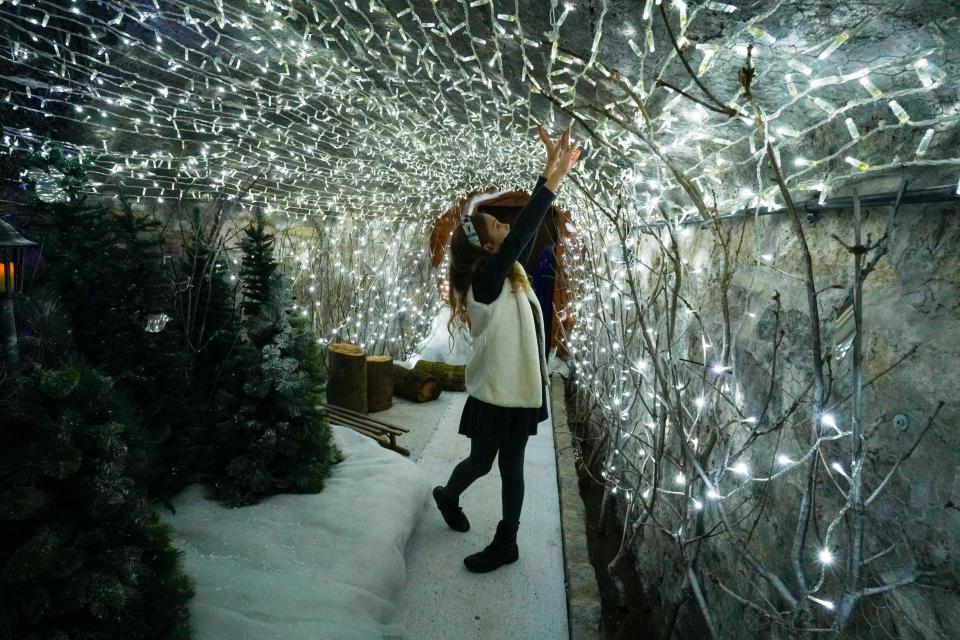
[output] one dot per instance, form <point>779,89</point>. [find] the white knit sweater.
<point>507,356</point>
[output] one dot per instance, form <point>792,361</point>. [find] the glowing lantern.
<point>12,249</point>
<point>4,268</point>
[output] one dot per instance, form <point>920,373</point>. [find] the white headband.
<point>466,216</point>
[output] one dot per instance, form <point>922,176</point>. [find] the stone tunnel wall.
<point>910,301</point>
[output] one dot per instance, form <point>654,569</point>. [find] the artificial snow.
<point>314,566</point>
<point>438,346</point>
<point>332,565</point>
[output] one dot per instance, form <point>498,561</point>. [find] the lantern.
<point>12,249</point>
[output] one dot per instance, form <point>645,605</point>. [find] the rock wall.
<point>911,323</point>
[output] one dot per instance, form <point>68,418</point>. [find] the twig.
<point>905,455</point>
<point>663,83</point>
<point>803,521</point>
<point>752,605</point>
<point>722,108</point>
<point>856,526</point>
<point>879,555</point>
<point>893,366</point>
<point>701,601</point>
<point>872,591</point>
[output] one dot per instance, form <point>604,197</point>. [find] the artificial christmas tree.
<point>84,556</point>
<point>107,267</point>
<point>258,264</point>
<point>275,437</point>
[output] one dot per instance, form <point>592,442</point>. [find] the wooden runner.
<point>384,433</point>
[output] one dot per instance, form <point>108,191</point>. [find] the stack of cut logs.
<point>366,384</point>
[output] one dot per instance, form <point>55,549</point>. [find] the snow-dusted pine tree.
<point>275,438</point>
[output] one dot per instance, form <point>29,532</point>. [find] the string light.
<point>836,466</point>
<point>361,119</point>
<point>924,143</point>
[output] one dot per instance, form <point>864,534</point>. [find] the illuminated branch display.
<point>354,124</point>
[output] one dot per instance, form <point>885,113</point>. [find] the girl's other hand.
<point>553,148</point>
<point>569,153</point>
<point>566,157</point>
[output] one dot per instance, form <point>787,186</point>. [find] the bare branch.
<point>906,454</point>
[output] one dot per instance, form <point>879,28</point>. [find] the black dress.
<point>483,418</point>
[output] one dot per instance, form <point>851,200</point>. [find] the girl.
<point>506,376</point>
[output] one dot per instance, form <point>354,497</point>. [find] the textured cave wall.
<point>910,301</point>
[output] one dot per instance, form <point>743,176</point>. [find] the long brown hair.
<point>465,260</point>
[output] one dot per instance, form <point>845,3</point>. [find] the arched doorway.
<point>545,264</point>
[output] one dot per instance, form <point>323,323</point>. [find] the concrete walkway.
<point>442,600</point>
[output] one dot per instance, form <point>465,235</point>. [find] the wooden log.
<point>415,385</point>
<point>347,376</point>
<point>379,383</point>
<point>452,377</point>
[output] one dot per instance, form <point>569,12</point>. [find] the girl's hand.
<point>566,156</point>
<point>553,148</point>
<point>568,153</point>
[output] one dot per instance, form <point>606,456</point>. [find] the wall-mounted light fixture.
<point>13,247</point>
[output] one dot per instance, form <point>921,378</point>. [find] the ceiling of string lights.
<point>400,107</point>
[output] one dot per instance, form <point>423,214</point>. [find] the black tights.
<point>480,461</point>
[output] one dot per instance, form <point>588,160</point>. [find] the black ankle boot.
<point>503,550</point>
<point>451,512</point>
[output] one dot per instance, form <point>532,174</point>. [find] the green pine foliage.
<point>105,417</point>
<point>258,264</point>
<point>107,267</point>
<point>43,325</point>
<point>210,300</point>
<point>275,436</point>
<point>212,320</point>
<point>84,556</point>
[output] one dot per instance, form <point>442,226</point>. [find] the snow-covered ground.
<point>337,565</point>
<point>525,600</point>
<point>305,567</point>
